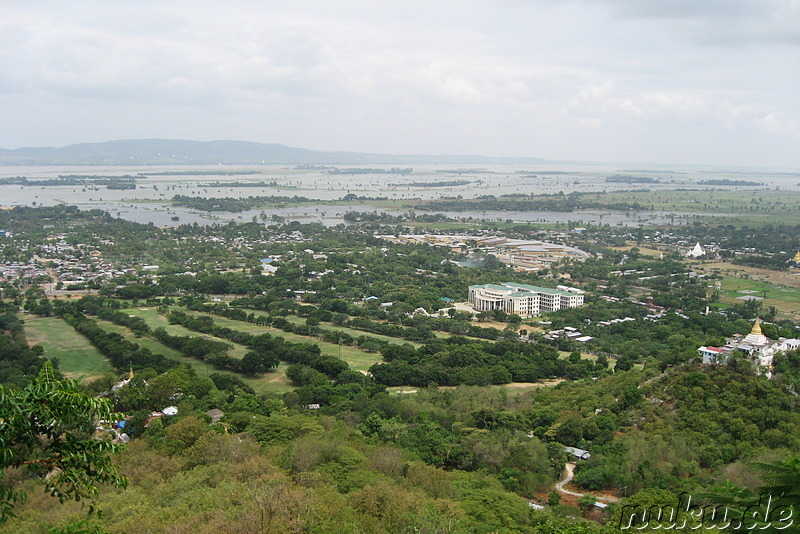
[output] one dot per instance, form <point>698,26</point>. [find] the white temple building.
<point>759,348</point>
<point>696,252</point>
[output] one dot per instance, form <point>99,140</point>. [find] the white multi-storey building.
<point>522,299</point>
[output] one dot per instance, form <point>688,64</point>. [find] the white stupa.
<point>696,252</point>
<point>756,338</point>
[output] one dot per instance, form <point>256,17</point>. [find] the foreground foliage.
<point>47,428</point>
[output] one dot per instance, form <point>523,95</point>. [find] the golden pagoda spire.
<point>756,327</point>
<point>796,258</point>
<point>130,374</point>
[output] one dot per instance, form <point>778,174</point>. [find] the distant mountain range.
<point>182,152</point>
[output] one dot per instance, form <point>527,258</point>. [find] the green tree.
<point>254,363</point>
<point>587,501</point>
<point>48,428</point>
<point>183,434</point>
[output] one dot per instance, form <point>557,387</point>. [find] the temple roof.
<point>696,252</point>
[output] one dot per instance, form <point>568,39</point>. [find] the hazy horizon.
<point>629,81</point>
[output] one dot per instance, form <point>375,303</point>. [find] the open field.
<point>563,355</point>
<point>785,299</point>
<point>644,251</point>
<point>294,319</point>
<point>398,390</point>
<point>145,342</point>
<point>743,206</point>
<point>273,382</point>
<point>356,333</point>
<point>777,288</point>
<point>781,278</point>
<point>358,359</point>
<point>155,320</point>
<point>78,358</point>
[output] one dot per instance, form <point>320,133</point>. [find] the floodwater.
<point>150,201</point>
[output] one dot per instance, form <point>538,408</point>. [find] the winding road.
<point>569,473</point>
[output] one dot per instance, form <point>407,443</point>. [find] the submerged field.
<point>737,207</point>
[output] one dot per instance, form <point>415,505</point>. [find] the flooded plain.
<point>392,192</point>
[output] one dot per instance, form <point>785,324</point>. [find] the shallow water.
<point>150,201</point>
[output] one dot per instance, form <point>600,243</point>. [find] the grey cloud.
<point>591,79</point>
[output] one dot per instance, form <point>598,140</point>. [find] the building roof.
<point>537,289</point>
<point>215,414</point>
<point>496,287</point>
<point>580,453</point>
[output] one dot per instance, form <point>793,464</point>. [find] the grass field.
<point>78,358</point>
<point>563,355</point>
<point>357,333</point>
<point>785,299</point>
<point>399,390</point>
<point>273,382</point>
<point>294,319</point>
<point>144,342</point>
<point>644,251</point>
<point>155,320</point>
<point>358,359</point>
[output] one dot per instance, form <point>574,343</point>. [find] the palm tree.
<point>772,508</point>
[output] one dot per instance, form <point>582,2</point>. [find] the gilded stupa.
<point>758,347</point>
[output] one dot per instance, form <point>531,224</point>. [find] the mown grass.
<point>357,359</point>
<point>274,381</point>
<point>550,382</point>
<point>294,319</point>
<point>77,357</point>
<point>563,355</point>
<point>155,320</point>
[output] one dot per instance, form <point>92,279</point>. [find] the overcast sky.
<point>712,82</point>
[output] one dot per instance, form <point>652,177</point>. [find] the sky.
<point>700,82</point>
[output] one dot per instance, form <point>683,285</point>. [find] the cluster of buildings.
<point>756,346</point>
<point>11,271</point>
<point>522,299</point>
<point>568,332</point>
<point>76,264</point>
<point>522,254</point>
